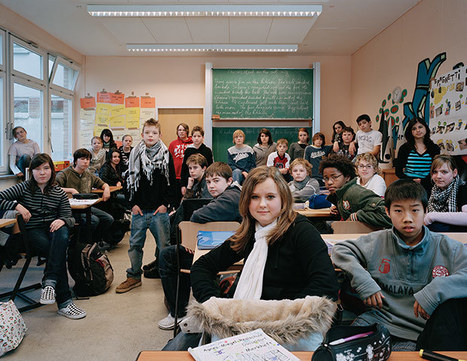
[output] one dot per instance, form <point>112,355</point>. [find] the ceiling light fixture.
<point>158,48</point>
<point>135,10</point>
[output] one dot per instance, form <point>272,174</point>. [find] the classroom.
<point>364,55</point>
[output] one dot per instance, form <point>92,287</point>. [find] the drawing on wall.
<point>448,111</point>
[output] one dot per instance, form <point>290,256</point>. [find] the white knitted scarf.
<point>250,285</point>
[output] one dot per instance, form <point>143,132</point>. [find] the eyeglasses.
<point>333,177</point>
<point>361,166</point>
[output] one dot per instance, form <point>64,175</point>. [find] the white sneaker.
<point>47,295</point>
<point>72,311</point>
<point>168,322</point>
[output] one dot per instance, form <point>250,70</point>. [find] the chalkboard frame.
<point>310,85</point>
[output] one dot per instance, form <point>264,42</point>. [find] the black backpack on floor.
<point>90,268</point>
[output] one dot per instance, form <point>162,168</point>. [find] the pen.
<point>350,338</point>
<point>433,356</point>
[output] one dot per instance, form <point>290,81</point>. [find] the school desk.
<point>84,206</point>
<point>335,238</point>
<point>4,222</point>
<point>303,356</point>
<point>315,213</point>
<point>112,189</point>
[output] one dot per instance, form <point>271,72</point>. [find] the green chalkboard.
<point>262,93</point>
<point>222,138</point>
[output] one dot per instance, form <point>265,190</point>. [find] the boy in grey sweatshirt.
<point>412,280</point>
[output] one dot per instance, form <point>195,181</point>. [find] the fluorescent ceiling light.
<point>158,48</point>
<point>204,10</point>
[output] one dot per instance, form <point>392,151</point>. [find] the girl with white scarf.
<point>447,206</point>
<point>285,261</point>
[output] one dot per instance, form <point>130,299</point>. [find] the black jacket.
<point>203,150</point>
<point>298,265</point>
<point>109,175</point>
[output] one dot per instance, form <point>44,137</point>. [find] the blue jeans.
<point>100,223</point>
<point>168,271</point>
<point>23,162</point>
<point>238,176</point>
<point>159,225</point>
<point>53,246</point>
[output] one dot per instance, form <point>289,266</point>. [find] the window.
<point>37,93</point>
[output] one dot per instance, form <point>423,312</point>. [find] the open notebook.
<point>212,239</point>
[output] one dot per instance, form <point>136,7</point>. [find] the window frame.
<point>66,64</point>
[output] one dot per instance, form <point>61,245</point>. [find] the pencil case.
<point>356,343</point>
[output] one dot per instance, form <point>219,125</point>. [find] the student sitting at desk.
<point>77,179</point>
<point>447,206</point>
<point>224,207</point>
<point>351,200</point>
<point>285,257</point>
<point>302,186</point>
<point>46,211</point>
<point>412,280</point>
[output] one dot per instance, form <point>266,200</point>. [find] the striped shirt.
<point>418,165</point>
<point>44,208</point>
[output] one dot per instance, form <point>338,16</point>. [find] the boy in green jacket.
<point>352,201</point>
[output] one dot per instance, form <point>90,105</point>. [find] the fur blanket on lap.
<point>286,321</point>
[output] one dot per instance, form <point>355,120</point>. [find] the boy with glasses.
<point>351,201</point>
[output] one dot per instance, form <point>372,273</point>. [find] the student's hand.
<point>183,189</point>
<point>375,300</point>
<point>72,191</point>
<point>20,174</point>
<point>334,211</point>
<point>119,184</point>
<point>136,210</point>
<point>352,148</point>
<point>419,311</point>
<point>106,194</point>
<point>161,209</point>
<point>427,220</point>
<point>191,182</point>
<point>245,174</point>
<point>335,147</point>
<point>418,180</point>
<point>58,223</point>
<point>24,212</point>
<point>284,170</point>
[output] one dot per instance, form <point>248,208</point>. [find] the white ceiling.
<point>343,27</point>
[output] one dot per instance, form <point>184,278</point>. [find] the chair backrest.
<point>353,227</point>
<point>189,230</point>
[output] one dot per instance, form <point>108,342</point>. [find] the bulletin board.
<point>122,115</point>
<point>448,111</point>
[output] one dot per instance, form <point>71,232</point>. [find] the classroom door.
<point>171,117</point>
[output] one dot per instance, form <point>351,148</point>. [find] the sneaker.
<point>72,312</point>
<point>152,273</point>
<point>168,322</point>
<point>47,295</point>
<point>149,266</point>
<point>128,285</point>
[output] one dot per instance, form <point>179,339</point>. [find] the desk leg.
<point>88,225</point>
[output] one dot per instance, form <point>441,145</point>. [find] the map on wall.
<point>448,111</point>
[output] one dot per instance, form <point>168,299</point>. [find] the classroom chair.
<point>187,237</point>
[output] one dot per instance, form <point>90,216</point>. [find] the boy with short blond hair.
<point>150,186</point>
<point>413,281</point>
<point>241,157</point>
<point>368,140</point>
<point>302,186</point>
<point>224,207</point>
<point>198,147</point>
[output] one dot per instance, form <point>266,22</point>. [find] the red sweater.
<point>177,149</point>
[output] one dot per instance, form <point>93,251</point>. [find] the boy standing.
<point>241,157</point>
<point>198,146</point>
<point>352,200</point>
<point>414,281</point>
<point>314,154</point>
<point>368,140</point>
<point>224,207</point>
<point>280,159</point>
<point>150,185</point>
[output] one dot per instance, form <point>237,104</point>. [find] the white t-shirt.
<point>375,184</point>
<point>368,140</point>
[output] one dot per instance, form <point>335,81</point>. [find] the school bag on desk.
<point>90,268</point>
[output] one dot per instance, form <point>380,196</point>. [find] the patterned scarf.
<point>444,200</point>
<point>250,284</point>
<point>146,160</point>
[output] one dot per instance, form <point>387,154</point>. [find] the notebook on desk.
<point>212,239</point>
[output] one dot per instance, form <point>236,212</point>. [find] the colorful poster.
<point>88,103</point>
<point>132,118</point>
<point>117,116</point>
<point>86,122</point>
<point>103,114</point>
<point>448,111</point>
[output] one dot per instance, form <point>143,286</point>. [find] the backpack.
<point>90,268</point>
